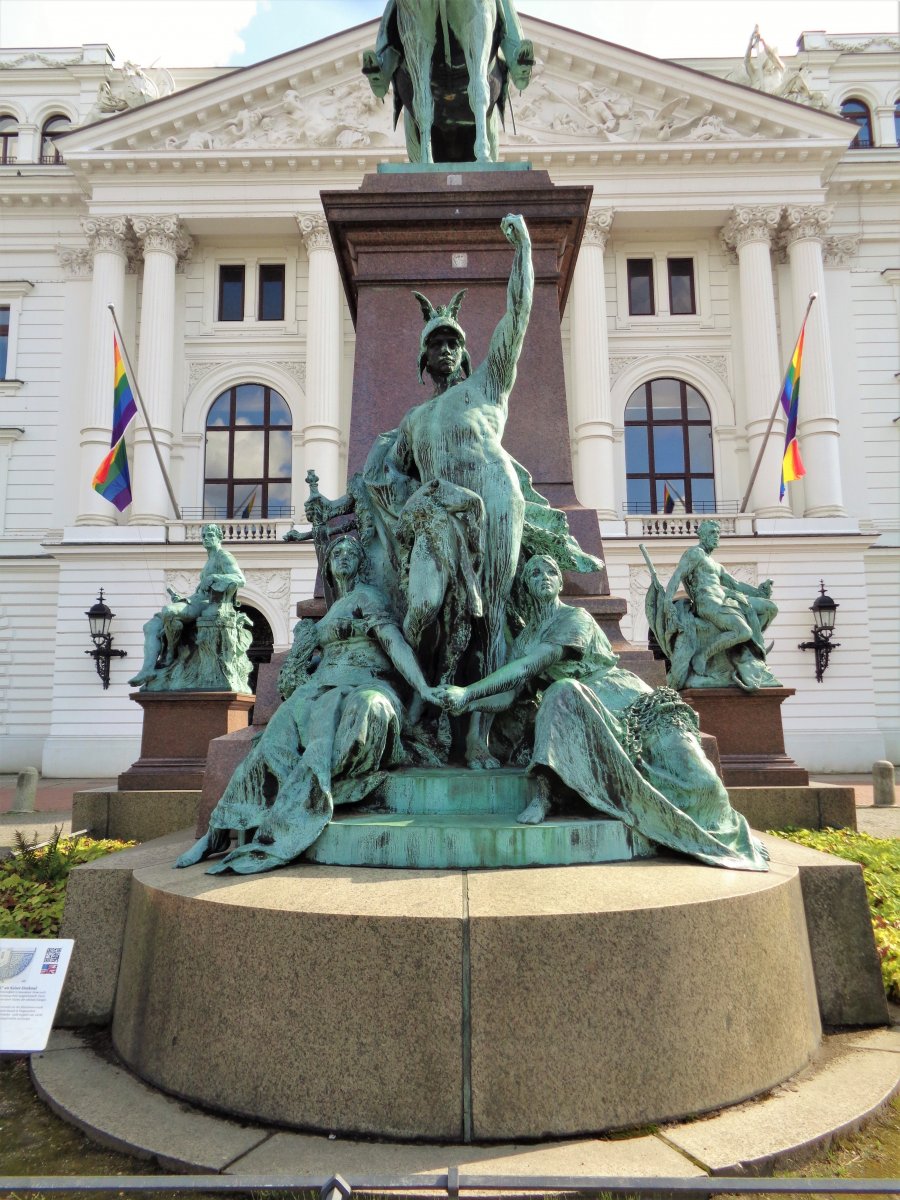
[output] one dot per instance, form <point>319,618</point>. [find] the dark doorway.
<point>263,643</point>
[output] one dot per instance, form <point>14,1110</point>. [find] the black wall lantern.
<point>824,611</point>
<point>99,617</point>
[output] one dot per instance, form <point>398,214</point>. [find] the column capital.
<point>806,222</point>
<point>314,231</point>
<point>751,223</point>
<point>163,233</point>
<point>76,261</point>
<point>107,234</point>
<point>598,227</point>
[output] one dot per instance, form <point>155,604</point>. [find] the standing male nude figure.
<point>457,435</point>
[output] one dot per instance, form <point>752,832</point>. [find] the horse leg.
<point>417,24</point>
<point>474,31</point>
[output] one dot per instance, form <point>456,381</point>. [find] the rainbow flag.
<point>668,500</point>
<point>111,479</point>
<point>124,407</point>
<point>792,467</point>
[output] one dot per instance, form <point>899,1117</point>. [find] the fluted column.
<point>322,419</point>
<point>749,233</point>
<point>162,240</point>
<point>108,239</point>
<point>818,427</point>
<point>591,404</point>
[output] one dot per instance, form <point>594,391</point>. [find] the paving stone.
<point>849,1081</point>
<point>117,1110</point>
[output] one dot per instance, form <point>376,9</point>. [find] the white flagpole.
<point>132,379</point>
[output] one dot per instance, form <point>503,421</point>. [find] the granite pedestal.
<point>177,730</point>
<point>467,1006</point>
<point>750,735</point>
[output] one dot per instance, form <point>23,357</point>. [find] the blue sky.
<point>179,33</point>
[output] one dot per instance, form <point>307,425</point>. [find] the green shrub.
<point>33,881</point>
<point>880,862</point>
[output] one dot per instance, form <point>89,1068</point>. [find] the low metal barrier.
<point>452,1182</point>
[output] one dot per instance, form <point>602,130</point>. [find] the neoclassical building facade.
<point>189,202</point>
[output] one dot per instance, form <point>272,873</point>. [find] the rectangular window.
<point>640,287</point>
<point>231,293</point>
<point>4,338</point>
<point>682,301</point>
<point>271,292</point>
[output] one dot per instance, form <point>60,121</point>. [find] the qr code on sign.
<point>52,955</point>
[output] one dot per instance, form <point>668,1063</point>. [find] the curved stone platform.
<point>454,1006</point>
<point>457,819</point>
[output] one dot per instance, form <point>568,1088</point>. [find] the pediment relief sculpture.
<point>346,116</point>
<point>560,109</point>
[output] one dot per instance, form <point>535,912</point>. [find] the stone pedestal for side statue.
<point>438,231</point>
<point>178,727</point>
<point>748,729</point>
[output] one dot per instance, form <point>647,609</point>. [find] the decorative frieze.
<point>622,363</point>
<point>714,362</point>
<point>314,231</point>
<point>200,368</point>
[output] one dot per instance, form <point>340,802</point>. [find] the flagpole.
<point>671,485</point>
<point>813,296</point>
<point>132,379</point>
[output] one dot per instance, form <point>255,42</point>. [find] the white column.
<point>162,239</point>
<point>591,404</point>
<point>322,418</point>
<point>749,232</point>
<point>805,227</point>
<point>108,238</point>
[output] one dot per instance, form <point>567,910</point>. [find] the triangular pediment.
<point>586,96</point>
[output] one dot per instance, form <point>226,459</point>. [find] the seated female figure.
<point>327,741</point>
<point>628,751</point>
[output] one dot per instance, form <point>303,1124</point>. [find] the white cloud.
<point>174,33</point>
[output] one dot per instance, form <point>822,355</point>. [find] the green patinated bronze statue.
<point>200,642</point>
<point>714,638</point>
<point>627,751</point>
<point>450,63</point>
<point>445,640</point>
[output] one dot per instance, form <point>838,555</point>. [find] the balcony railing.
<point>234,529</point>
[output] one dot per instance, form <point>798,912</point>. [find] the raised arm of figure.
<point>506,343</point>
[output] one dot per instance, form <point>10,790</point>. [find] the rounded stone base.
<point>454,1006</point>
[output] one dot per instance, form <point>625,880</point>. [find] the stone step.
<point>456,790</point>
<point>439,841</point>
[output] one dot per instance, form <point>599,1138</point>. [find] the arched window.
<point>248,454</point>
<point>857,111</point>
<point>9,139</point>
<point>53,126</point>
<point>668,442</point>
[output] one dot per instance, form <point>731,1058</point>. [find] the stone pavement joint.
<point>851,1079</point>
